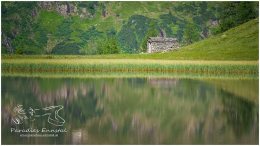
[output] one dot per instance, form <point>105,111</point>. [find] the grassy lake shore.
<point>84,65</point>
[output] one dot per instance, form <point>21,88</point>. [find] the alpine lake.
<point>129,110</point>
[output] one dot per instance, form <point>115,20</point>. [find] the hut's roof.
<point>161,39</point>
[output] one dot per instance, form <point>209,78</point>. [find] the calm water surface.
<point>129,111</point>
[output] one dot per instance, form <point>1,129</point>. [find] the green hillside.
<point>89,28</point>
<point>239,43</point>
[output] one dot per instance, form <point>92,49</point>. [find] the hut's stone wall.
<point>160,44</point>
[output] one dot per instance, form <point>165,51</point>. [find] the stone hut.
<point>161,44</point>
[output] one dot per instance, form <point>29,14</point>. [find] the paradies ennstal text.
<point>36,130</point>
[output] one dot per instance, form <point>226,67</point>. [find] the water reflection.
<point>136,110</point>
<point>240,112</point>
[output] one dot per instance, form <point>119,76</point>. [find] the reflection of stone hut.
<point>163,83</point>
<point>161,44</point>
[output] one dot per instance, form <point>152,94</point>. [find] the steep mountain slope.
<point>79,27</point>
<point>102,27</point>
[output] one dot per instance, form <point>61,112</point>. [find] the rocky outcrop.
<point>66,8</point>
<point>34,13</point>
<point>63,8</point>
<point>45,5</point>
<point>6,41</point>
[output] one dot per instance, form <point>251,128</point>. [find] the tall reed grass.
<point>242,68</point>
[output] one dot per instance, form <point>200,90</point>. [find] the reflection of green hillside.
<point>189,112</point>
<point>247,89</point>
<point>77,98</point>
<point>139,110</point>
<point>240,112</point>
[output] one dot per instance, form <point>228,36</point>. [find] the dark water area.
<point>129,111</point>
